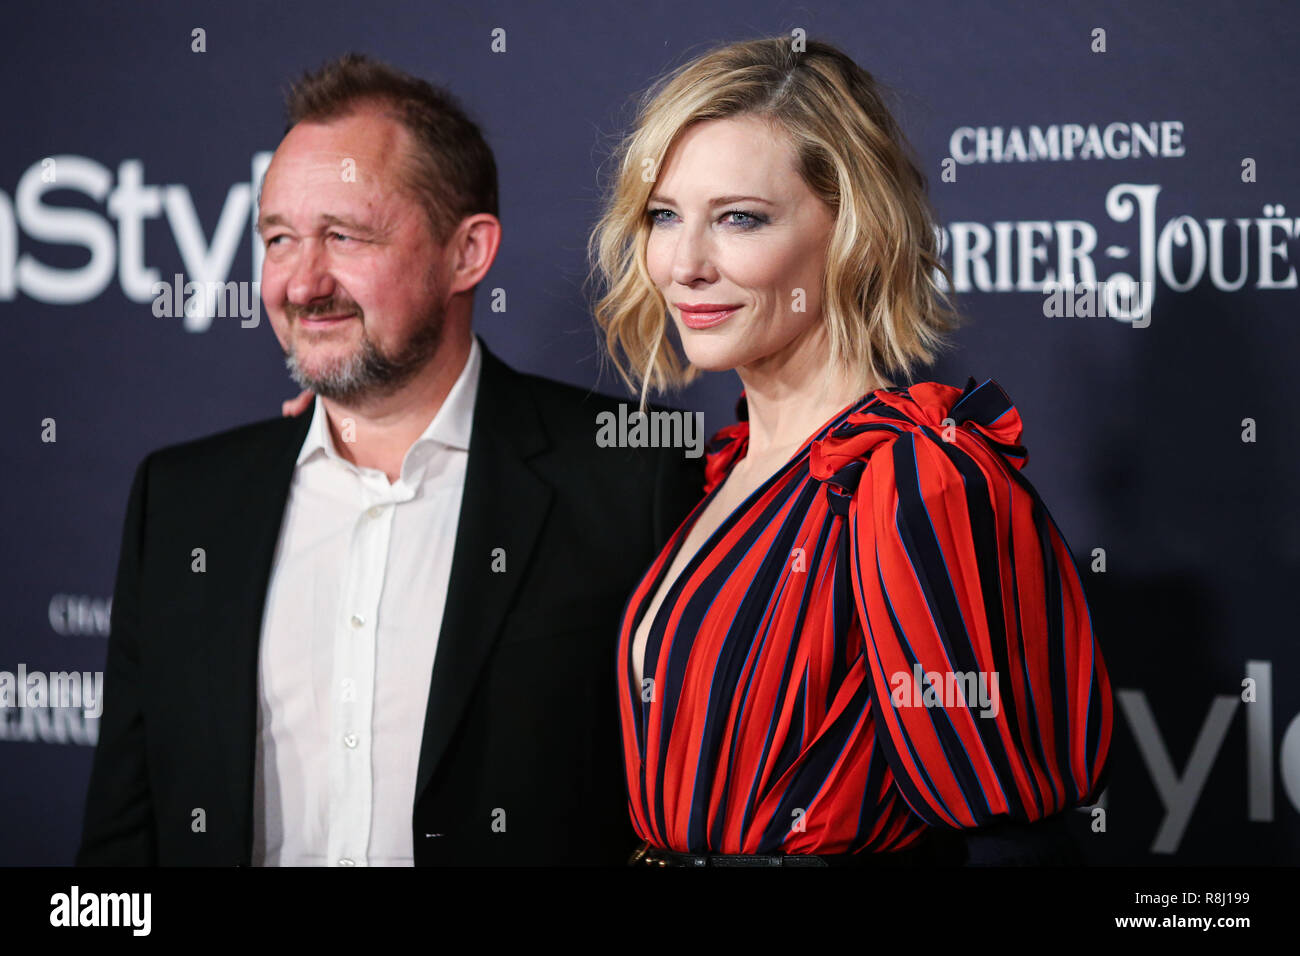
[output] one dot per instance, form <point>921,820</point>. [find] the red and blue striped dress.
<point>812,676</point>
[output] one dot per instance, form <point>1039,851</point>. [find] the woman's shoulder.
<point>934,411</point>
<point>928,411</point>
<point>961,420</point>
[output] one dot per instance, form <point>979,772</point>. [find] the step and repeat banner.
<point>1119,191</point>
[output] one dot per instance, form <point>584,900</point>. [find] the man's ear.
<point>475,244</point>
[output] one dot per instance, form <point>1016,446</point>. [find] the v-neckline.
<point>640,714</point>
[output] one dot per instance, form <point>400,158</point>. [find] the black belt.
<point>1042,843</point>
<point>648,855</point>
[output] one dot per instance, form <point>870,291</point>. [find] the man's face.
<point>351,279</point>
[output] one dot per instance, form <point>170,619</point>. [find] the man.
<point>381,633</point>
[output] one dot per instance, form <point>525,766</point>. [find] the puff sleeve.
<point>990,695</point>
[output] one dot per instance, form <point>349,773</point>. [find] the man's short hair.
<point>451,167</point>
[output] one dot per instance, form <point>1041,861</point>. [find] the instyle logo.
<point>115,240</point>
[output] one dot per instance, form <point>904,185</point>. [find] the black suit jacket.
<point>521,725</point>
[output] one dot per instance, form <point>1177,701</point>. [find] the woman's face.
<point>737,245</point>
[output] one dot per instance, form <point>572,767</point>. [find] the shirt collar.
<point>450,427</point>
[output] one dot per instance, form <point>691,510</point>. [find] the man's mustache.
<point>328,307</point>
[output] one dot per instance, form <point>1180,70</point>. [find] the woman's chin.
<point>710,357</point>
<point>716,366</point>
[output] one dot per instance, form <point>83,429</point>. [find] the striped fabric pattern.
<point>814,673</point>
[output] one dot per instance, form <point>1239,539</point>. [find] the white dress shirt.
<point>350,630</point>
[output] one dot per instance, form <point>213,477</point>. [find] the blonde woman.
<point>869,632</point>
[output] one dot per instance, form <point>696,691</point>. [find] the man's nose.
<point>310,279</point>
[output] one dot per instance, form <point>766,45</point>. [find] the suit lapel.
<point>504,506</point>
<point>248,529</point>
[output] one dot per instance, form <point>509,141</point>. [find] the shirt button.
<point>375,512</point>
<point>346,862</point>
<point>358,620</point>
<point>350,740</point>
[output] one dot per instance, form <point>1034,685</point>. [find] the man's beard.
<point>368,373</point>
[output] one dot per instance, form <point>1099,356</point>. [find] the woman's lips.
<point>706,320</point>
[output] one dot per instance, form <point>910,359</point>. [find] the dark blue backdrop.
<point>1169,449</point>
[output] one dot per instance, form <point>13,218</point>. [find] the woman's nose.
<point>692,258</point>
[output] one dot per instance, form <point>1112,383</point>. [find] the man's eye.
<point>339,235</point>
<point>272,240</point>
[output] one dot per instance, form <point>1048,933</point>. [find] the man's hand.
<point>296,406</point>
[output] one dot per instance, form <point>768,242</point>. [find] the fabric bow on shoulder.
<point>936,411</point>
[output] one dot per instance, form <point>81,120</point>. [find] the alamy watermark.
<point>206,299</point>
<point>1121,298</point>
<point>952,689</point>
<point>654,429</point>
<point>61,689</point>
<point>132,911</point>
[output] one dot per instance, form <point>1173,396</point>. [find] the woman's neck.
<point>789,400</point>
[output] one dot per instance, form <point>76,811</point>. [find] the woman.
<point>869,631</point>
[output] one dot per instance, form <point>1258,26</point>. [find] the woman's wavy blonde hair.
<point>884,310</point>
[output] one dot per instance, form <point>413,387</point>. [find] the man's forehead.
<point>348,168</point>
<point>359,148</point>
<point>324,166</point>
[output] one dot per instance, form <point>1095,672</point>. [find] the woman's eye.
<point>747,221</point>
